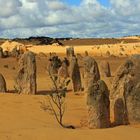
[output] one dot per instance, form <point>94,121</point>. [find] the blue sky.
<point>72,2</point>
<point>69,18</point>
<point>77,2</point>
<point>104,2</point>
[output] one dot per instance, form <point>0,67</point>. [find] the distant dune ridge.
<point>73,41</point>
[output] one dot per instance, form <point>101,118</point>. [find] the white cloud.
<point>21,18</point>
<point>9,8</point>
<point>126,7</point>
<point>56,5</point>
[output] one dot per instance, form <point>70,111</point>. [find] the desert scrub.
<point>55,102</point>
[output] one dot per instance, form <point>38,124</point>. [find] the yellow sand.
<point>21,118</point>
<point>98,50</point>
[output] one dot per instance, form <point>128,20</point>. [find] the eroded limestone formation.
<point>91,71</point>
<point>105,69</point>
<point>125,93</point>
<point>70,51</point>
<point>1,53</point>
<point>26,75</point>
<point>75,75</point>
<point>2,84</point>
<point>98,105</point>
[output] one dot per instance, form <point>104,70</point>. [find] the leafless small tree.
<point>55,103</point>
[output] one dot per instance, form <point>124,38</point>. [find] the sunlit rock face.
<point>125,92</point>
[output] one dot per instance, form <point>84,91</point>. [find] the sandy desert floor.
<point>21,116</point>
<point>121,50</point>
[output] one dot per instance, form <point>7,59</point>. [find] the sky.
<point>69,18</point>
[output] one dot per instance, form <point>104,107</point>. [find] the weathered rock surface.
<point>6,54</point>
<point>91,71</point>
<point>2,84</point>
<point>26,76</point>
<point>54,65</point>
<point>98,105</point>
<point>120,114</point>
<point>63,71</point>
<point>1,53</point>
<point>86,53</point>
<point>15,52</point>
<point>105,69</point>
<point>75,74</point>
<point>126,87</point>
<point>70,51</point>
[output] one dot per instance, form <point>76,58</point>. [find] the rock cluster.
<point>125,93</point>
<point>97,95</point>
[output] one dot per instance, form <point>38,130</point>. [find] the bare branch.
<point>57,99</point>
<point>54,112</point>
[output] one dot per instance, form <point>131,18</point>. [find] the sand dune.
<point>122,50</point>
<point>21,118</point>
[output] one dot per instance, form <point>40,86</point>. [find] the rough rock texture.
<point>105,69</point>
<point>2,84</point>
<point>91,71</point>
<point>75,74</point>
<point>98,105</point>
<point>6,54</point>
<point>1,53</point>
<point>126,87</point>
<point>15,52</point>
<point>70,51</point>
<point>120,114</point>
<point>63,71</point>
<point>54,64</point>
<point>26,76</point>
<point>86,53</point>
<point>79,56</point>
